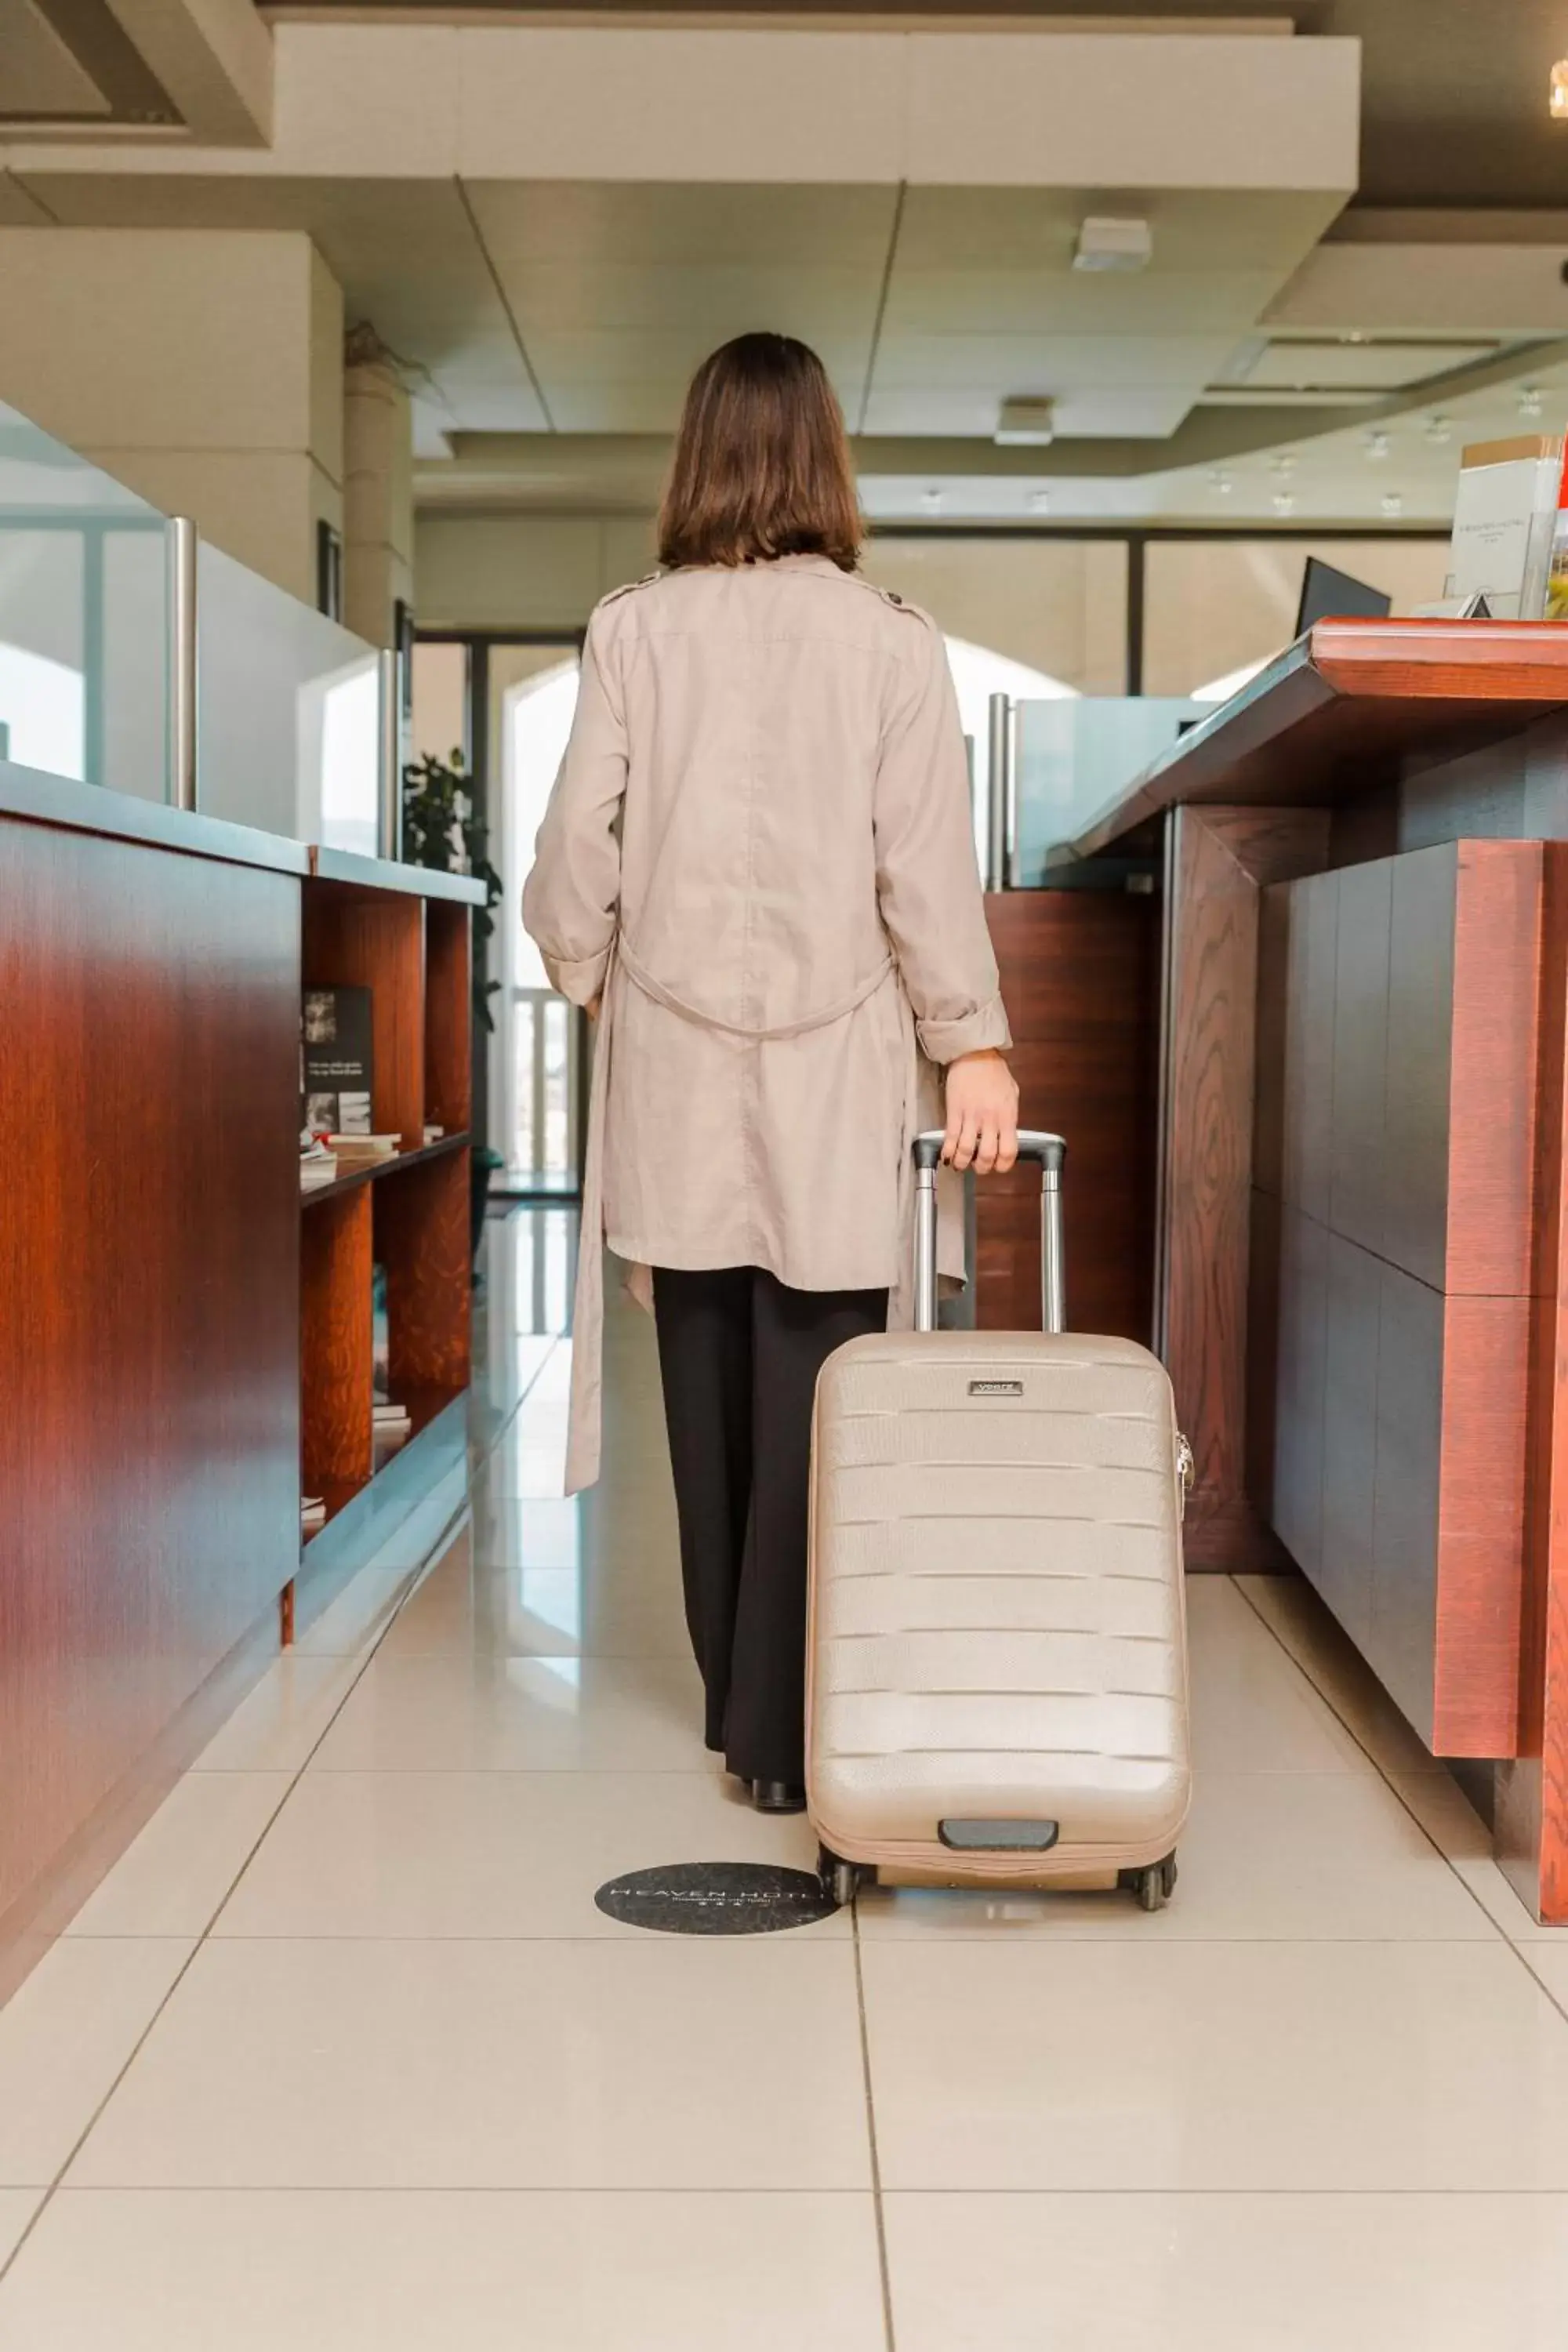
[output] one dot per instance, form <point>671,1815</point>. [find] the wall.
<point>202,367</point>
<point>1058,605</point>
<point>522,570</point>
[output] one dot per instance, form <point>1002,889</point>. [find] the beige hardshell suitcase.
<point>997,1674</point>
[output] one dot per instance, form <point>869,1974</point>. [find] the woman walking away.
<point>757,868</point>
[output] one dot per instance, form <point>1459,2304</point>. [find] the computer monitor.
<point>1330,594</point>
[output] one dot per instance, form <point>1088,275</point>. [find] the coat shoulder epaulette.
<point>648,581</point>
<point>891,596</point>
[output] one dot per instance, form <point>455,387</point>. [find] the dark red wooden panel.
<point>1079,979</point>
<point>448,1016</point>
<point>149,1305</point>
<point>376,939</point>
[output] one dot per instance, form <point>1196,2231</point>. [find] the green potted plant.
<point>441,828</point>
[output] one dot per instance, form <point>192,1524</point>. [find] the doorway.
<point>536,1049</point>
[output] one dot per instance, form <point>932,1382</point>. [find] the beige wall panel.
<point>1058,605</point>
<point>160,339</point>
<point>626,104</point>
<point>1135,111</point>
<point>325,430</point>
<point>508,572</point>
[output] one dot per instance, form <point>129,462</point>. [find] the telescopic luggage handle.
<point>1051,1152</point>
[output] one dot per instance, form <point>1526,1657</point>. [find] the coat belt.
<point>639,975</point>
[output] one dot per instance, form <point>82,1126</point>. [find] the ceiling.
<point>547,327</point>
<point>1453,91</point>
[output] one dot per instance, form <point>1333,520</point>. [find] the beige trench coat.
<point>759,851</point>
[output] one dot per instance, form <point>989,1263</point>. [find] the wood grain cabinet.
<point>1394,1164</point>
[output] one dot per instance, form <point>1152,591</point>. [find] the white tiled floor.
<point>343,2057</point>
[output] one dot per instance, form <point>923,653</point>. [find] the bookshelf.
<point>403,933</point>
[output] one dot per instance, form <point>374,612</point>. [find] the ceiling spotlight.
<point>1028,422</point>
<point>1355,336</point>
<point>1105,244</point>
<point>1221,482</point>
<point>1039,502</point>
<point>1284,504</point>
<point>1438,430</point>
<point>1529,400</point>
<point>931,501</point>
<point>1376,447</point>
<point>1559,98</point>
<point>1282,466</point>
<point>1392,504</point>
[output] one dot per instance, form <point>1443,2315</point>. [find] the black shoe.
<point>777,1797</point>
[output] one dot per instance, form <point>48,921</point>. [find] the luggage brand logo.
<point>995,1388</point>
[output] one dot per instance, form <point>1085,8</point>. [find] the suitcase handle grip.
<point>1034,1143</point>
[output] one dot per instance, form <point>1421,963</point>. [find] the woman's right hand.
<point>981,1114</point>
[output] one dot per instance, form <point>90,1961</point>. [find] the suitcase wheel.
<point>1155,1886</point>
<point>840,1880</point>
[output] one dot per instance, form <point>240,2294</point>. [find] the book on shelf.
<point>434,1134</point>
<point>362,1150</point>
<point>335,1060</point>
<point>312,1511</point>
<point>391,1416</point>
<point>317,1166</point>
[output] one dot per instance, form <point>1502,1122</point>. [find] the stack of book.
<point>312,1513</point>
<point>317,1166</point>
<point>356,1152</point>
<point>393,1427</point>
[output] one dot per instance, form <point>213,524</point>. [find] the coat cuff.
<point>972,1032</point>
<point>580,982</point>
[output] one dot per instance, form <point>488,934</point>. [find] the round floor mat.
<point>716,1899</point>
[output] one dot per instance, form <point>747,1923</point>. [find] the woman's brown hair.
<point>761,461</point>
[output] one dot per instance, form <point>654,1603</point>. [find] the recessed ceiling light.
<point>1355,336</point>
<point>1283,465</point>
<point>1392,504</point>
<point>1284,503</point>
<point>1104,244</point>
<point>1377,446</point>
<point>1221,482</point>
<point>1438,430</point>
<point>931,501</point>
<point>1558,101</point>
<point>1039,502</point>
<point>1028,421</point>
<point>1529,400</point>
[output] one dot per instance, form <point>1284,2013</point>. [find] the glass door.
<point>537,1047</point>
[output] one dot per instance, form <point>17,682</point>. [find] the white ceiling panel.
<point>1359,366</point>
<point>1000,301</point>
<point>1195,232</point>
<point>584,224</point>
<point>1051,364</point>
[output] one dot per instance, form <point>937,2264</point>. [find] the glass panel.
<point>1074,757</point>
<point>287,712</point>
<point>1216,610</point>
<point>83,618</point>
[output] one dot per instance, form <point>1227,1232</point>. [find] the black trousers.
<point>739,1354</point>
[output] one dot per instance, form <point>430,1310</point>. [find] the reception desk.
<point>166,1294</point>
<point>1359,1267</point>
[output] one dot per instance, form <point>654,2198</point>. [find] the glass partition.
<point>1073,757</point>
<point>84,618</point>
<point>287,712</point>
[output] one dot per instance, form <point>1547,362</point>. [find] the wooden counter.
<point>151,1234</point>
<point>1361,1285</point>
